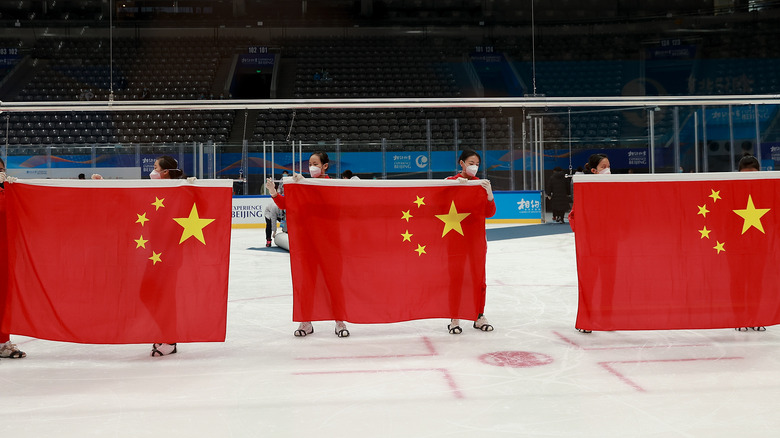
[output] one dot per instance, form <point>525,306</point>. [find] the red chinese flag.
<point>386,251</point>
<point>673,251</point>
<point>115,262</point>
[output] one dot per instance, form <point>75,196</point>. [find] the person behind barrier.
<point>280,189</point>
<point>272,214</point>
<point>318,166</point>
<point>558,193</point>
<point>347,174</point>
<point>469,164</point>
<point>749,163</point>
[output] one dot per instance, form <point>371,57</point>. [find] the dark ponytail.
<point>170,164</point>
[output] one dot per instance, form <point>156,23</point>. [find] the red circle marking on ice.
<point>515,359</point>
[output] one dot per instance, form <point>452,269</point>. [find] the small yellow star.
<point>719,246</point>
<point>752,216</point>
<point>141,219</point>
<point>420,201</point>
<point>155,258</point>
<point>452,220</point>
<point>715,196</point>
<point>140,243</point>
<point>193,225</point>
<point>703,210</point>
<point>158,203</point>
<point>406,215</point>
<point>420,249</point>
<point>705,232</point>
<point>407,236</point>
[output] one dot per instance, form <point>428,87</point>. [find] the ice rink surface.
<point>534,376</point>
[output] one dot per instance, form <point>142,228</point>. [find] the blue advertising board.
<point>518,206</point>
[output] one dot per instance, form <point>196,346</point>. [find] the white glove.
<point>191,179</point>
<point>2,177</point>
<point>97,176</point>
<point>462,180</point>
<point>269,184</point>
<point>297,177</point>
<point>486,185</point>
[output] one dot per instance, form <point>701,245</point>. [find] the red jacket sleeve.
<point>490,208</point>
<point>280,202</point>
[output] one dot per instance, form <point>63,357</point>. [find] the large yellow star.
<point>420,249</point>
<point>406,215</point>
<point>407,236</point>
<point>452,220</point>
<point>140,242</point>
<point>420,201</point>
<point>705,232</point>
<point>193,225</point>
<point>703,210</point>
<point>155,257</point>
<point>719,246</point>
<point>752,216</point>
<point>715,196</point>
<point>158,203</point>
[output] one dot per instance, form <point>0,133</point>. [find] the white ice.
<point>534,376</point>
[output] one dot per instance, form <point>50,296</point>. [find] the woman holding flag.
<point>469,163</point>
<point>749,163</point>
<point>7,349</point>
<point>597,164</point>
<point>165,167</point>
<point>318,166</point>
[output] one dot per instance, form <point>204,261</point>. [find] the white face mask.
<point>605,171</point>
<point>315,171</point>
<point>155,174</point>
<point>472,170</point>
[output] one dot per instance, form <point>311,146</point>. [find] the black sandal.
<point>157,353</point>
<point>584,331</point>
<point>301,333</point>
<point>9,351</point>
<point>341,329</point>
<point>483,327</point>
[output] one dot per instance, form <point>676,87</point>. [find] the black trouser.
<point>268,230</point>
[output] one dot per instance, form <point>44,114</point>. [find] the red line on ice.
<point>428,344</point>
<point>447,376</point>
<point>608,366</point>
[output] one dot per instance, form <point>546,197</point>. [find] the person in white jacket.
<point>272,214</point>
